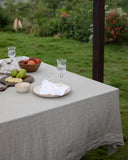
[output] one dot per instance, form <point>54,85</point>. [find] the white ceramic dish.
<point>36,91</point>
<point>22,87</point>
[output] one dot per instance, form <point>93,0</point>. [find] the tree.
<point>10,6</point>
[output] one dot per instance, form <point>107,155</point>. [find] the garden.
<point>63,29</point>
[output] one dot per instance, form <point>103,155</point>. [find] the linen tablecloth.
<point>64,128</point>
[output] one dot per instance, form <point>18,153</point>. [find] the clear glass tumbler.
<point>11,53</point>
<point>61,67</point>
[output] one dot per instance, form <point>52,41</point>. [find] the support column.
<point>98,39</point>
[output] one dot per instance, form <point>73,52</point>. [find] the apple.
<point>37,60</point>
<point>25,61</point>
<point>30,62</point>
<point>31,58</point>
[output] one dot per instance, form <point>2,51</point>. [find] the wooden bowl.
<point>28,67</point>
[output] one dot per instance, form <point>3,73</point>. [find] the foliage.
<point>77,21</point>
<point>10,7</point>
<point>123,4</point>
<point>5,21</point>
<point>54,5</point>
<point>67,18</point>
<point>46,18</point>
<point>116,25</point>
<point>118,3</point>
<point>70,4</point>
<point>69,23</point>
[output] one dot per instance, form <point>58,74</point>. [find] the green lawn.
<point>79,60</point>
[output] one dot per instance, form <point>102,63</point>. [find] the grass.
<point>79,56</point>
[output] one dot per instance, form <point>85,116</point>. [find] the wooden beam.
<point>98,39</point>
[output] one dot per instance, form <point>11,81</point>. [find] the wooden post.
<point>98,39</point>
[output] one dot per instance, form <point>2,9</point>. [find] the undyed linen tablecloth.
<point>64,128</point>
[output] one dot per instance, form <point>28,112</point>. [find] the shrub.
<point>116,25</point>
<point>75,20</point>
<point>5,20</point>
<point>80,22</point>
<point>69,18</point>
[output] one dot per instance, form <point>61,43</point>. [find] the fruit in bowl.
<point>31,64</point>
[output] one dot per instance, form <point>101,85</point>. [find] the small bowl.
<point>22,87</point>
<point>28,67</point>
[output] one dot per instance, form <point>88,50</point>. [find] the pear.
<point>22,73</point>
<point>14,72</point>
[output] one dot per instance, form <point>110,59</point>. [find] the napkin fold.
<point>51,88</point>
<point>1,62</point>
<point>5,68</point>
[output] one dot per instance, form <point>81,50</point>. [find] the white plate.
<point>36,91</point>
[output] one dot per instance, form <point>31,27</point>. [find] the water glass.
<point>61,67</point>
<point>11,52</point>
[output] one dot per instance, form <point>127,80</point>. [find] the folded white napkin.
<point>51,88</point>
<point>6,68</point>
<point>1,62</point>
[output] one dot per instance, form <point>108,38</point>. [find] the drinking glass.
<point>61,67</point>
<point>11,52</point>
